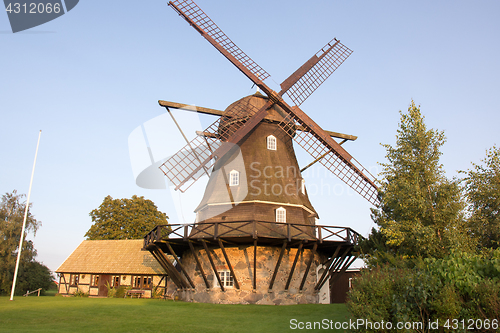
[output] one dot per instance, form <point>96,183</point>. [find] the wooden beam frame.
<point>213,112</point>
<point>213,264</point>
<point>278,263</point>
<point>255,264</point>
<point>297,255</point>
<point>327,266</point>
<point>191,108</point>
<point>199,264</point>
<point>236,284</point>
<point>180,264</point>
<point>342,270</point>
<point>311,259</point>
<point>169,267</point>
<point>333,268</point>
<point>171,270</point>
<point>66,286</point>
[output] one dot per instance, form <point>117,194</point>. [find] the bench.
<point>132,293</point>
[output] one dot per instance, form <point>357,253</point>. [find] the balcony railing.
<point>252,229</point>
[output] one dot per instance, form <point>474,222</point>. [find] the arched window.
<point>281,215</point>
<point>303,186</point>
<point>271,142</point>
<point>234,178</point>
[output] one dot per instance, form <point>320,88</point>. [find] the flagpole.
<point>24,222</point>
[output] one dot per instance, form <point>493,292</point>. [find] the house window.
<point>226,278</point>
<point>94,280</point>
<point>115,281</point>
<point>142,282</point>
<point>234,178</point>
<point>303,186</point>
<point>73,280</point>
<point>271,142</point>
<point>147,282</point>
<point>281,215</point>
<point>137,282</point>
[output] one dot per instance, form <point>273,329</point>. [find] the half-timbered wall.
<point>70,283</point>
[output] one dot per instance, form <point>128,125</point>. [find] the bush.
<point>120,292</point>
<point>80,293</point>
<point>460,286</point>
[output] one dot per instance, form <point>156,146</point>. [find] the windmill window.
<point>281,215</point>
<point>226,278</point>
<point>303,186</point>
<point>234,178</point>
<point>271,142</point>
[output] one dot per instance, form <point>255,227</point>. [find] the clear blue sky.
<point>92,76</point>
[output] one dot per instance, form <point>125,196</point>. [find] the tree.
<point>421,212</point>
<point>33,275</point>
<point>482,189</point>
<point>124,218</point>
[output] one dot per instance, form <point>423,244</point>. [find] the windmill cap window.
<point>234,178</point>
<point>271,142</point>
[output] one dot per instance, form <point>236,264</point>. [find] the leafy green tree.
<point>482,189</point>
<point>421,212</point>
<point>124,218</point>
<point>32,274</point>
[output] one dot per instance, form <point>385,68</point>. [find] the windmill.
<point>248,147</point>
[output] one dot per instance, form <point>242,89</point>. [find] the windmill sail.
<point>197,18</point>
<point>186,166</point>
<point>330,154</point>
<point>299,86</point>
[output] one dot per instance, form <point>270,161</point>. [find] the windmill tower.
<point>255,239</point>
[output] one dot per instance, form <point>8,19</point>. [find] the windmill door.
<point>324,292</point>
<point>104,280</point>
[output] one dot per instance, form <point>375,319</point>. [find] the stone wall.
<point>241,259</point>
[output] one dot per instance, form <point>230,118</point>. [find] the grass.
<point>73,314</point>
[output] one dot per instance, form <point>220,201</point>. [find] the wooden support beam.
<point>180,264</point>
<point>213,265</point>
<point>213,112</point>
<point>297,255</point>
<point>65,283</point>
<point>342,270</point>
<point>327,266</point>
<point>169,267</point>
<point>159,283</point>
<point>191,108</point>
<point>278,265</point>
<point>313,162</point>
<point>311,259</point>
<point>333,268</point>
<point>255,264</point>
<point>236,284</point>
<point>199,264</point>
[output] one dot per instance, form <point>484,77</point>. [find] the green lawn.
<point>62,314</point>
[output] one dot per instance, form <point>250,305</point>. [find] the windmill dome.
<point>241,110</point>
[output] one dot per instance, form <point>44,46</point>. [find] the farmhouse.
<point>98,265</point>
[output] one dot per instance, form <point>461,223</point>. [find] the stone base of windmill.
<point>242,261</point>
